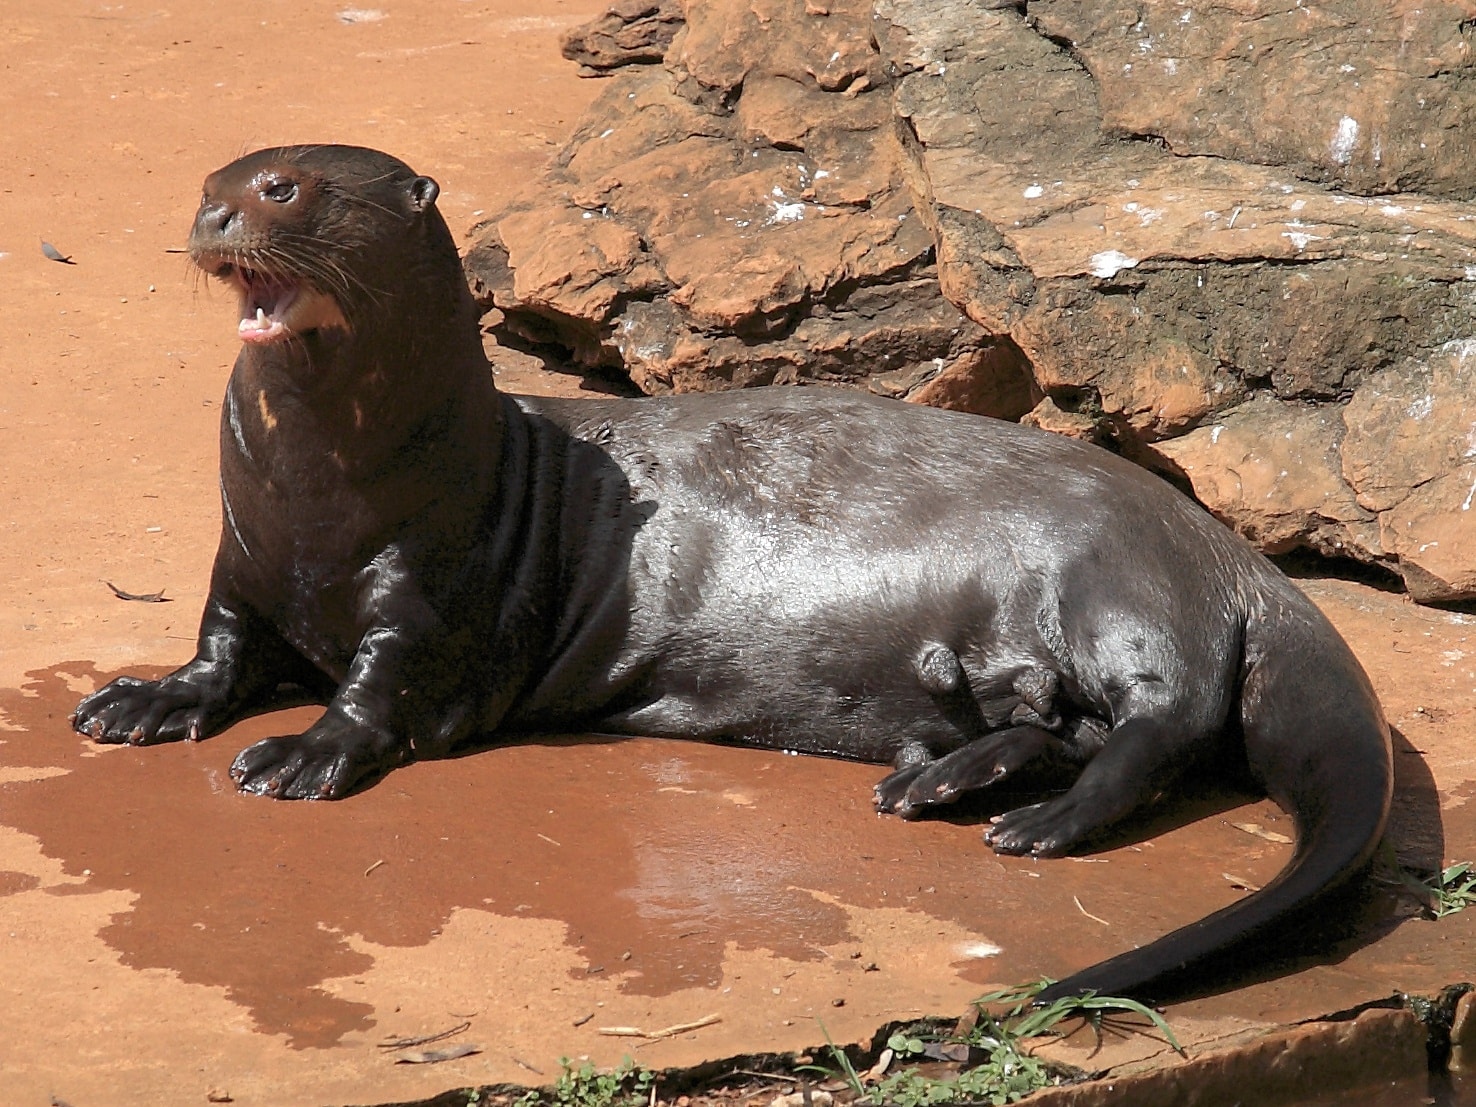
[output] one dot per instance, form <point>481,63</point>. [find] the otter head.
<point>319,239</point>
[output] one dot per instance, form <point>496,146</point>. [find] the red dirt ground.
<point>162,938</point>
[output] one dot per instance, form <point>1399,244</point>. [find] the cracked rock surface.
<point>1234,242</point>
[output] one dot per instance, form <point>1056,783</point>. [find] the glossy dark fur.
<point>801,569</point>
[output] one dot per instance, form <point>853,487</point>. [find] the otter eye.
<point>283,192</point>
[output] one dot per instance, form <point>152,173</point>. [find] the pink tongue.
<point>259,328</point>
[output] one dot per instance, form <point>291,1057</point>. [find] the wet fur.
<point>811,570</point>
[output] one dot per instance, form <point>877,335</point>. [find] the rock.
<point>805,1098</point>
<point>1410,453</point>
<point>1340,92</point>
<point>1170,286</point>
<point>1048,415</point>
<point>631,32</point>
<point>991,380</point>
<point>1412,425</point>
<point>904,325</point>
<point>1463,1036</point>
<point>1178,217</point>
<point>739,217</point>
<point>826,48</point>
<point>1388,479</point>
<point>576,264</point>
<point>1275,474</point>
<point>1237,244</point>
<point>1335,1060</point>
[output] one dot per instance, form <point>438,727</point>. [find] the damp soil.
<point>657,859</point>
<point>163,939</point>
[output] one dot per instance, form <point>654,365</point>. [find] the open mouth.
<point>276,307</point>
<point>266,304</point>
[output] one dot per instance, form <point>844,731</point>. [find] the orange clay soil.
<point>163,939</point>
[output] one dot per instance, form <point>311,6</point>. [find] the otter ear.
<point>423,193</point>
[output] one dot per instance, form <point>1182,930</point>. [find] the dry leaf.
<point>140,597</point>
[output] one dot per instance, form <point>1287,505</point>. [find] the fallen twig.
<point>434,1056</point>
<point>657,1035</point>
<point>406,1043</point>
<point>1261,832</point>
<point>1088,914</point>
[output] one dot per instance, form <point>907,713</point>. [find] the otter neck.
<point>334,409</point>
<point>367,390</point>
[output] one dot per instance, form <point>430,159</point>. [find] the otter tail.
<point>1316,740</point>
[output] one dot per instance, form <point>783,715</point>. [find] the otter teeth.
<point>260,323</point>
<point>260,327</point>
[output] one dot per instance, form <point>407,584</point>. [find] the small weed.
<point>1452,889</point>
<point>848,1070</point>
<point>906,1045</point>
<point>1444,892</point>
<point>1006,1077</point>
<point>626,1085</point>
<point>1020,1023</point>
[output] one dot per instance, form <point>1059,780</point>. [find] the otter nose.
<point>214,219</point>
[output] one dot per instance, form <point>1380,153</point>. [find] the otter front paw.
<point>325,762</point>
<point>143,712</point>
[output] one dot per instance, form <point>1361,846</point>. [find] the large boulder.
<point>1172,284</point>
<point>1234,242</point>
<point>739,217</point>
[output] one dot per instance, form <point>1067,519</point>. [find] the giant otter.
<point>810,569</point>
